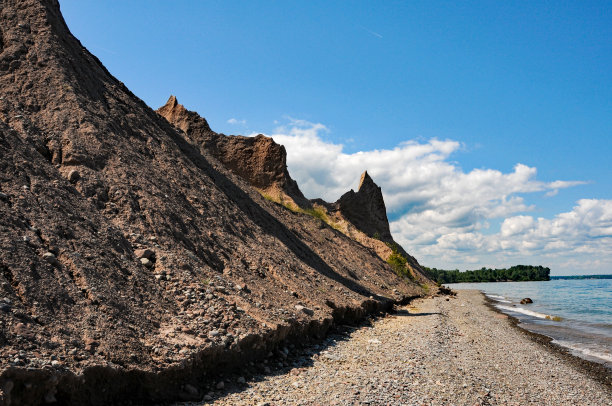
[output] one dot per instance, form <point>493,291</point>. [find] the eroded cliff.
<point>133,262</point>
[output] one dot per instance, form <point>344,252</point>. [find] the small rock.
<point>146,262</point>
<point>73,176</point>
<point>213,333</point>
<point>5,307</point>
<point>144,253</point>
<point>91,344</point>
<point>220,385</point>
<point>526,301</point>
<point>304,309</point>
<point>241,380</point>
<point>50,258</point>
<point>3,196</point>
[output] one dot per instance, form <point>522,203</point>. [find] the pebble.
<point>144,253</point>
<point>50,258</point>
<point>146,262</point>
<point>73,176</point>
<point>304,309</point>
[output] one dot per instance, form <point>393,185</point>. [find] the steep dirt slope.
<point>260,161</point>
<point>364,216</point>
<point>132,262</point>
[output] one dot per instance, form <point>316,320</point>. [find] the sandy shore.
<point>433,352</point>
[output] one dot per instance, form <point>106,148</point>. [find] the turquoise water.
<point>584,306</point>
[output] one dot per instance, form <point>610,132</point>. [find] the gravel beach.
<point>436,351</point>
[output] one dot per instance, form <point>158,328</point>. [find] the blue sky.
<point>497,84</point>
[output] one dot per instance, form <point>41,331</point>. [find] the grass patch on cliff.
<point>268,197</point>
<point>318,213</point>
<point>315,211</point>
<point>398,262</point>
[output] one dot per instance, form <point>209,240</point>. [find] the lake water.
<point>584,307</point>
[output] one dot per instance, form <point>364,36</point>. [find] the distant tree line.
<point>513,274</point>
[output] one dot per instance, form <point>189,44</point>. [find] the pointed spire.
<point>172,100</point>
<point>365,180</point>
<point>366,209</point>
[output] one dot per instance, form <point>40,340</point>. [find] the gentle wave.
<point>586,351</point>
<point>528,312</point>
<point>498,298</point>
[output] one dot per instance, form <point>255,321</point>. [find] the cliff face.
<point>363,217</point>
<point>366,209</point>
<point>258,160</point>
<point>133,262</point>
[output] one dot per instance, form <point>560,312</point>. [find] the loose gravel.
<point>437,351</point>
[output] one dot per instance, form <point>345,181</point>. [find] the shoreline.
<point>595,370</point>
<point>436,350</point>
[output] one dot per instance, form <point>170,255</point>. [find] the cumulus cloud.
<point>515,225</point>
<point>235,121</point>
<point>441,213</point>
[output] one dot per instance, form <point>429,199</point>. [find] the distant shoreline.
<point>581,277</point>
<point>562,277</point>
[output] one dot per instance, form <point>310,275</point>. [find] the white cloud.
<point>515,225</point>
<point>442,214</point>
<point>235,121</point>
